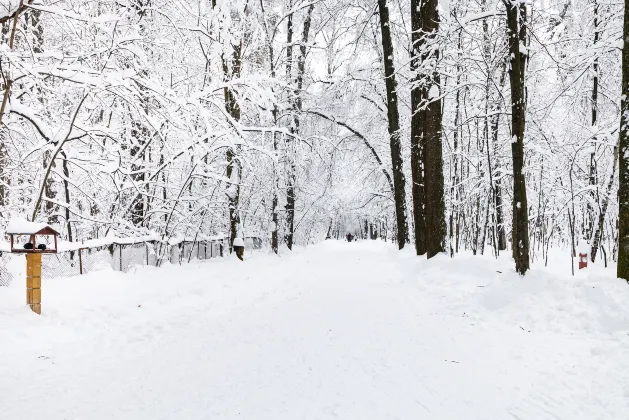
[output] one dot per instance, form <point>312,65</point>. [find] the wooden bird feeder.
<point>32,238</point>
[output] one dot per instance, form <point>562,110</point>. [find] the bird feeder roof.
<point>24,227</point>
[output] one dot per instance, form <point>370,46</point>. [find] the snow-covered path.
<point>348,331</point>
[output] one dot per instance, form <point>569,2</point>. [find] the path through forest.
<point>341,330</point>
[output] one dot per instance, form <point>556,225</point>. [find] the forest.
<point>482,126</point>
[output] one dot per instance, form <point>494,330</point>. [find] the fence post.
<point>81,261</point>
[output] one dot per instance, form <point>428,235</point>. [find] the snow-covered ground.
<point>348,331</point>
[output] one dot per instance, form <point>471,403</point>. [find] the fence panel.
<point>95,259</point>
<point>5,275</point>
<point>121,257</point>
<point>132,255</point>
<point>63,264</point>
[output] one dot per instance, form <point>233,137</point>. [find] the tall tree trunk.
<point>497,190</point>
<point>233,171</point>
<point>33,19</point>
<point>66,188</point>
<point>598,233</point>
<point>417,153</point>
<point>290,145</point>
<point>275,200</point>
<point>455,188</point>
<point>623,158</point>
<point>4,161</point>
<point>297,108</point>
<point>592,177</point>
<point>431,117</point>
<point>486,126</point>
<point>394,126</point>
<point>516,31</point>
<point>234,168</point>
<point>4,174</point>
<point>140,133</point>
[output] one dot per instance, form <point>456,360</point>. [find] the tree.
<point>417,149</point>
<point>623,157</point>
<point>430,116</point>
<point>516,33</point>
<point>394,125</point>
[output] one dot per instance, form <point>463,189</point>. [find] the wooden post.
<point>81,261</point>
<point>33,282</point>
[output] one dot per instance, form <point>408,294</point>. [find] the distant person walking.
<point>349,237</point>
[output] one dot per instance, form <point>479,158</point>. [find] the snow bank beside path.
<point>545,300</point>
<point>339,330</point>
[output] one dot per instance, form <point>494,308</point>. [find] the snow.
<point>23,226</point>
<point>434,92</point>
<point>239,242</point>
<point>8,7</point>
<point>65,246</point>
<point>338,330</point>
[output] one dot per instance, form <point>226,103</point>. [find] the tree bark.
<point>297,108</point>
<point>592,178</point>
<point>516,32</point>
<point>623,158</point>
<point>275,199</point>
<point>417,152</point>
<point>139,133</point>
<point>290,146</point>
<point>394,126</point>
<point>431,116</point>
<point>598,233</point>
<point>66,188</point>
<point>32,18</point>
<point>234,169</point>
<point>502,236</point>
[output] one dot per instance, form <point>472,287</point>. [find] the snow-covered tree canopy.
<point>268,117</point>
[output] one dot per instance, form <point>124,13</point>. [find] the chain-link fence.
<point>5,274</point>
<point>123,256</point>
<point>73,263</point>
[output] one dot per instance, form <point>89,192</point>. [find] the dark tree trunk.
<point>33,19</point>
<point>502,236</point>
<point>4,161</point>
<point>290,152</point>
<point>292,170</point>
<point>455,180</point>
<point>417,152</point>
<point>516,32</point>
<point>598,233</point>
<point>623,158</point>
<point>4,174</point>
<point>275,200</point>
<point>139,134</point>
<point>394,126</point>
<point>431,117</point>
<point>234,169</point>
<point>66,188</point>
<point>592,177</point>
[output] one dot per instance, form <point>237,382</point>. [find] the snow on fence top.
<point>65,246</point>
